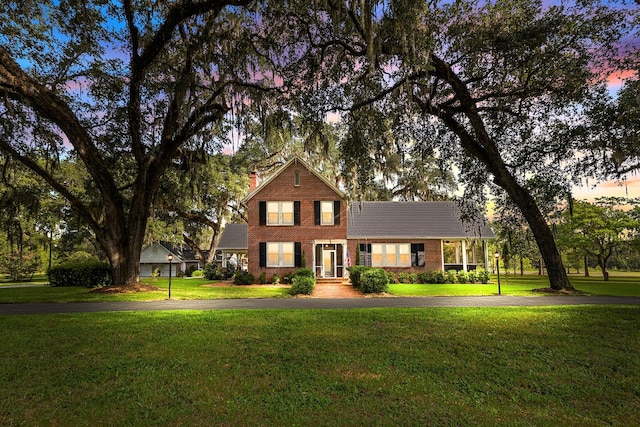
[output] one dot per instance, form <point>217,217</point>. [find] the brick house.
<point>298,218</point>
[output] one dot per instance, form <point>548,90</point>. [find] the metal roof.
<point>234,236</point>
<point>441,220</point>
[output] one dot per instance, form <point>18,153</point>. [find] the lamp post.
<point>497,255</point>
<point>170,258</point>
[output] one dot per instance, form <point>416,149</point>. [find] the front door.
<point>329,262</point>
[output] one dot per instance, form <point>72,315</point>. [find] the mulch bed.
<point>126,289</point>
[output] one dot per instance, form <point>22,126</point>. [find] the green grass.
<point>543,366</point>
<point>37,279</point>
<point>181,289</point>
<point>619,284</point>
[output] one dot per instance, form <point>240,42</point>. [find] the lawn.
<point>181,289</point>
<point>543,366</point>
<point>620,284</point>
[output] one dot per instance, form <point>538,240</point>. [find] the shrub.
<point>287,279</point>
<point>391,276</point>
<point>190,270</point>
<point>424,277</point>
<point>275,280</point>
<point>212,272</point>
<point>302,285</point>
<point>197,273</point>
<point>92,274</point>
<point>450,276</point>
<point>462,276</point>
<point>472,276</point>
<point>413,277</point>
<point>304,272</point>
<point>243,278</point>
<point>403,277</point>
<point>483,275</point>
<point>438,277</point>
<point>355,272</point>
<point>374,281</point>
<point>262,279</point>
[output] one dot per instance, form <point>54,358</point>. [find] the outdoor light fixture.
<point>497,255</point>
<point>170,258</point>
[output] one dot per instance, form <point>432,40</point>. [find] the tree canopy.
<point>123,88</point>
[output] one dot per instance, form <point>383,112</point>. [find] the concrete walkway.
<point>315,303</point>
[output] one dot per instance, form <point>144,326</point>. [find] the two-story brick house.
<point>298,218</point>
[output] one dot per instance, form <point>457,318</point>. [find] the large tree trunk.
<point>477,142</point>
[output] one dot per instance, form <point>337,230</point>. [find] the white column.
<point>464,254</point>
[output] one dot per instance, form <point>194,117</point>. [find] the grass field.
<point>545,366</point>
<point>181,289</point>
<point>620,284</point>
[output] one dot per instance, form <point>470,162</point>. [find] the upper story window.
<point>296,178</point>
<point>280,213</point>
<point>326,213</point>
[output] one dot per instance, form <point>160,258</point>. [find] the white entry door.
<point>329,262</point>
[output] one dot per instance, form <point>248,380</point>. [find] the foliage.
<point>304,272</point>
<point>90,275</point>
<point>451,276</point>
<point>462,276</point>
<point>374,281</point>
<point>133,120</point>
<point>19,267</point>
<point>212,272</point>
<point>391,277</point>
<point>197,273</point>
<point>275,280</point>
<point>597,229</point>
<point>483,275</point>
<point>262,279</point>
<point>287,279</point>
<point>302,285</point>
<point>355,273</point>
<point>243,278</point>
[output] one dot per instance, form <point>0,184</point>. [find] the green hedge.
<point>354,274</point>
<point>91,275</point>
<point>243,278</point>
<point>302,285</point>
<point>374,281</point>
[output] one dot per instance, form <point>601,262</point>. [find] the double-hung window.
<point>391,255</point>
<point>280,213</point>
<point>326,213</point>
<point>280,254</point>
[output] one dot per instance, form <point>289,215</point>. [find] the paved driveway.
<point>315,303</point>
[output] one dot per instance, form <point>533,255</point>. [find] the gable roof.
<point>181,252</point>
<point>294,160</point>
<point>441,220</point>
<point>234,236</point>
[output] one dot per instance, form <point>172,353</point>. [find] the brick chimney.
<point>253,180</point>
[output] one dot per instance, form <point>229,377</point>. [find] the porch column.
<point>463,247</point>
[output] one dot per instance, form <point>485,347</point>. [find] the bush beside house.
<point>303,282</point>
